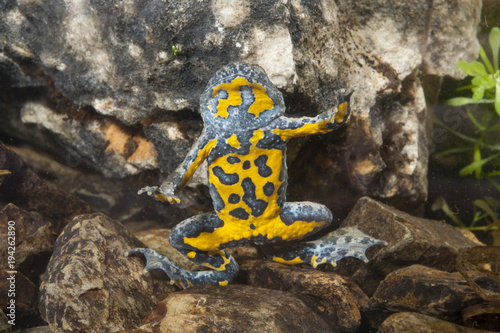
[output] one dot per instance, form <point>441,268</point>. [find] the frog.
<point>244,142</point>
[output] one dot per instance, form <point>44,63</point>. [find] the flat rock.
<point>428,291</point>
<point>234,308</point>
<point>90,286</point>
<point>412,240</point>
<point>337,299</point>
<point>410,322</point>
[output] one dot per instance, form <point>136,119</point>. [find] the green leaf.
<point>440,204</point>
<point>495,184</point>
<point>474,68</point>
<point>494,40</point>
<point>478,93</point>
<point>497,97</point>
<point>457,150</point>
<point>477,156</point>
<point>486,61</point>
<point>459,101</point>
<point>476,165</point>
<point>484,206</point>
<point>475,122</point>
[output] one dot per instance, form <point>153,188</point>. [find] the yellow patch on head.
<point>233,141</point>
<point>262,101</point>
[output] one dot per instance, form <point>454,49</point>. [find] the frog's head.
<point>240,97</point>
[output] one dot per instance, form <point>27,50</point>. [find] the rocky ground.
<point>72,274</point>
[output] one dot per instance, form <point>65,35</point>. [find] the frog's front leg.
<point>161,193</point>
<point>200,227</point>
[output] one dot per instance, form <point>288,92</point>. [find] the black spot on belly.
<point>233,198</point>
<point>258,206</point>
<point>233,160</point>
<point>268,189</point>
<point>263,169</point>
<point>252,226</point>
<point>246,165</point>
<point>225,178</point>
<point>239,213</point>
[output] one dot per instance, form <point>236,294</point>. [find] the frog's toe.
<point>155,260</point>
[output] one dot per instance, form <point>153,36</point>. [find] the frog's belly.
<point>248,188</point>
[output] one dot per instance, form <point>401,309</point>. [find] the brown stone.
<point>235,308</point>
<point>91,286</point>
<point>5,327</point>
<point>426,290</point>
<point>23,188</point>
<point>412,240</point>
<point>24,294</point>
<point>410,322</point>
<point>33,241</point>
<point>337,299</point>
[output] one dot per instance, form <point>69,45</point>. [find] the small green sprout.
<point>176,50</point>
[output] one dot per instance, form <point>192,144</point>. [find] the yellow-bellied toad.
<point>244,141</point>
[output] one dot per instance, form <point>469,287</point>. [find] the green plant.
<point>485,84</point>
<point>176,50</point>
<point>484,144</point>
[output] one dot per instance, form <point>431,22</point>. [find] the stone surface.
<point>24,189</point>
<point>412,240</point>
<point>417,323</point>
<point>234,308</point>
<point>90,285</point>
<point>428,291</point>
<point>5,327</point>
<point>25,296</point>
<point>338,300</point>
<point>33,241</point>
<point>108,100</point>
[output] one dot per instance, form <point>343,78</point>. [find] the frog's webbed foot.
<point>182,277</point>
<point>155,260</point>
<point>163,193</point>
<point>342,243</point>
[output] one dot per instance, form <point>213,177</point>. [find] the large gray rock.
<point>99,61</point>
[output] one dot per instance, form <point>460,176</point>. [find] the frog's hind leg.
<point>223,264</point>
<point>345,242</point>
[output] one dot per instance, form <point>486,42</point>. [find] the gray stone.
<point>90,285</point>
<point>100,64</point>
